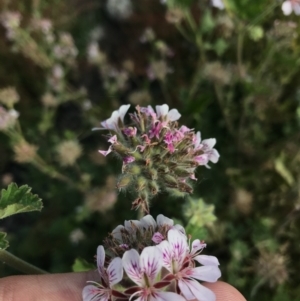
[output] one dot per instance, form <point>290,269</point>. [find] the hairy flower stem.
<point>19,264</point>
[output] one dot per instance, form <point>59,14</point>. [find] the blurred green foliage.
<point>232,74</point>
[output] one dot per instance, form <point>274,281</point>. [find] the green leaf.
<point>220,46</point>
<point>16,199</point>
<point>81,265</point>
<point>3,242</point>
<point>208,23</point>
<point>256,33</point>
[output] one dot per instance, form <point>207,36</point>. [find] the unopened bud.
<point>121,149</point>
<point>133,169</point>
<point>153,174</point>
<point>181,172</point>
<point>153,187</point>
<point>124,182</point>
<point>170,181</point>
<point>141,183</point>
<point>184,187</point>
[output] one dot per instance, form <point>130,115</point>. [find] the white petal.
<point>180,229</point>
<point>200,291</point>
<point>185,290</point>
<point>115,271</point>
<point>197,139</point>
<point>162,110</point>
<point>218,4</point>
<point>92,293</point>
<point>179,246</point>
<point>132,225</point>
<point>209,143</point>
<point>207,260</point>
<point>166,250</point>
<point>167,296</point>
<point>148,221</point>
<point>151,262</point>
<point>192,290</point>
<point>209,273</point>
<point>174,115</point>
<point>297,8</point>
<point>122,111</point>
<point>214,156</point>
<point>287,7</point>
<point>100,260</point>
<point>202,159</point>
<point>131,264</point>
<point>197,245</point>
<point>117,234</point>
<point>163,220</point>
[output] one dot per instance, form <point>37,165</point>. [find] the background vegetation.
<point>233,74</point>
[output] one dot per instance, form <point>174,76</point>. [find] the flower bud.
<point>124,182</point>
<point>141,183</point>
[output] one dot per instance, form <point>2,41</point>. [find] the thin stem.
<point>19,264</point>
<point>240,44</point>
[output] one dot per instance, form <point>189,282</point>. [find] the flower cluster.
<point>157,154</point>
<point>166,266</point>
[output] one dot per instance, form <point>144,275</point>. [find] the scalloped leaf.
<point>3,242</point>
<point>81,265</point>
<point>16,199</point>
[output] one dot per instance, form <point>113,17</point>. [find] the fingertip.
<point>225,291</point>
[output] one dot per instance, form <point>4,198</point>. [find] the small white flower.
<point>119,9</point>
<point>175,254</point>
<point>206,146</point>
<point>289,6</point>
<point>218,4</point>
<point>143,270</point>
<point>110,276</point>
<point>163,110</point>
<point>117,116</point>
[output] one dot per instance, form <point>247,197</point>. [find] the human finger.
<point>50,287</point>
<point>225,291</point>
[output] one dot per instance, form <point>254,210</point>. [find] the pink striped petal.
<point>151,262</point>
<point>92,293</point>
<point>193,288</point>
<point>166,250</point>
<point>131,264</point>
<point>115,271</point>
<point>179,245</point>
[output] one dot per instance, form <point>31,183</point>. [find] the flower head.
<point>68,152</point>
<point>218,4</point>
<point>290,6</point>
<point>109,277</point>
<point>157,154</point>
<point>170,270</point>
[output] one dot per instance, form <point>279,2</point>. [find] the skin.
<point>68,287</point>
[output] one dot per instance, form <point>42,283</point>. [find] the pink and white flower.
<point>218,4</point>
<point>290,6</point>
<point>178,260</point>
<point>109,277</point>
<point>116,117</point>
<point>143,270</point>
<point>163,111</point>
<point>206,146</point>
<point>113,140</point>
